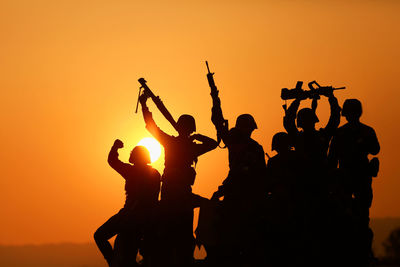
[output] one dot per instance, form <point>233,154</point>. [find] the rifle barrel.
<point>208,67</point>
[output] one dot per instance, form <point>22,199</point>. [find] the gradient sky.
<point>68,77</point>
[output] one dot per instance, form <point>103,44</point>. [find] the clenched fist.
<point>118,143</point>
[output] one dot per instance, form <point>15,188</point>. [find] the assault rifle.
<point>313,93</point>
<point>160,105</point>
<point>216,112</point>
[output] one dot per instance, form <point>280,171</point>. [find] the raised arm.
<point>217,118</point>
<point>289,120</point>
<point>151,126</point>
<point>334,119</point>
<point>207,144</point>
<point>113,160</point>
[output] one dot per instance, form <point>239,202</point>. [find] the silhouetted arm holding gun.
<point>217,118</point>
<point>334,119</point>
<point>289,120</point>
<point>121,167</point>
<point>151,126</point>
<point>207,144</point>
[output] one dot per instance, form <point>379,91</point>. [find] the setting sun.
<point>153,146</point>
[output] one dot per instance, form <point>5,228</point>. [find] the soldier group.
<point>307,206</point>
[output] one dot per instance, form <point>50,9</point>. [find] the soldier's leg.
<point>126,248</point>
<point>363,199</point>
<point>103,234</point>
<point>186,245</point>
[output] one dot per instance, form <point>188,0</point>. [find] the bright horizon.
<point>69,89</point>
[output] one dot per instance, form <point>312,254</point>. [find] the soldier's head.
<point>352,110</point>
<point>186,125</point>
<point>246,124</point>
<point>307,119</point>
<point>140,156</point>
<point>281,142</point>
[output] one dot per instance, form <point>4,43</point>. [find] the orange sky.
<point>69,73</point>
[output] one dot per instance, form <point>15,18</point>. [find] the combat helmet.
<point>306,115</point>
<point>186,124</point>
<point>280,141</point>
<point>246,121</point>
<point>352,107</point>
<point>140,154</point>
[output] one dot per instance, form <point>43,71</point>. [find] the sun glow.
<point>153,146</point>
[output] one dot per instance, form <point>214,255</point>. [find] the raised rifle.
<point>216,112</point>
<point>157,101</point>
<point>313,93</point>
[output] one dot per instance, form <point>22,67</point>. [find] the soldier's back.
<point>353,144</point>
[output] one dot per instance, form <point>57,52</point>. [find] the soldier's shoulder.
<point>154,172</point>
<point>255,144</point>
<point>365,127</point>
<point>343,129</point>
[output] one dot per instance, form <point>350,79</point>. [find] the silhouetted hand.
<point>143,98</point>
<point>118,144</point>
<point>327,92</point>
<point>216,196</point>
<point>195,137</point>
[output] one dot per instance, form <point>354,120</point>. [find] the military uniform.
<point>312,145</point>
<point>244,193</point>
<point>135,220</point>
<point>177,200</point>
<point>350,148</point>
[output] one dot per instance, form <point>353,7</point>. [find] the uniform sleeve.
<point>113,160</point>
<point>207,144</point>
<point>334,119</point>
<point>152,127</point>
<point>217,118</point>
<point>289,120</point>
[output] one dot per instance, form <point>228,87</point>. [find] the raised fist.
<point>118,143</point>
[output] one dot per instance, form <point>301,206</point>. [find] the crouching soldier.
<point>133,222</point>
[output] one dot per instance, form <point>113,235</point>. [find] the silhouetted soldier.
<point>246,161</point>
<point>350,148</point>
<point>313,146</point>
<point>243,191</point>
<point>286,172</point>
<point>177,199</point>
<point>132,222</point>
<point>311,143</point>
